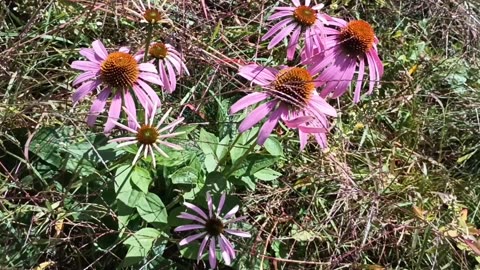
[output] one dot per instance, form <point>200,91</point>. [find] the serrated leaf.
<point>141,178</point>
<point>186,175</point>
<point>152,209</point>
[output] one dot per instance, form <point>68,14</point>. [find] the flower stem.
<point>244,156</point>
<point>147,41</point>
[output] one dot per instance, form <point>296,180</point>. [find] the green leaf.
<point>152,209</point>
<point>222,148</point>
<point>215,182</point>
<point>141,178</point>
<point>303,236</point>
<point>254,163</point>
<point>124,215</point>
<point>267,174</point>
<point>239,149</point>
<point>249,182</point>
<point>273,146</point>
<point>126,193</point>
<point>208,143</point>
<point>140,245</point>
<point>186,175</point>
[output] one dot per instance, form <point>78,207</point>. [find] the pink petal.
<point>358,87</point>
<point>191,238</point>
<point>100,49</point>
<point>147,67</point>
<point>248,100</point>
<point>191,217</point>
<point>84,90</point>
<point>212,258</point>
<point>152,94</point>
<point>292,44</point>
<point>142,97</point>
<point>238,233</point>
<point>98,106</point>
<point>280,14</point>
<point>319,104</point>
<point>276,28</point>
<point>221,203</point>
<point>196,209</point>
<point>258,74</point>
<point>232,212</point>
<point>269,125</point>
<point>257,115</point>
<point>189,227</point>
<point>281,35</point>
<point>202,247</point>
<point>150,77</point>
<point>171,75</point>
<point>113,112</point>
<point>86,66</point>
<point>91,55</point>
<point>132,110</point>
<point>84,77</point>
<point>224,250</point>
<point>164,77</point>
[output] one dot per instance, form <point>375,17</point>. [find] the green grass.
<point>387,194</point>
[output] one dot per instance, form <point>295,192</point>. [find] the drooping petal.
<point>212,258</point>
<point>257,115</point>
<point>84,90</point>
<point>98,106</point>
<point>277,27</point>
<point>189,227</point>
<point>281,35</point>
<point>232,212</point>
<point>191,238</point>
<point>191,217</point>
<point>113,112</point>
<point>228,246</point>
<point>202,247</point>
<point>292,44</point>
<point>100,49</point>
<point>268,126</point>
<point>147,67</point>
<point>221,203</point>
<point>224,250</point>
<point>91,55</point>
<point>86,66</point>
<point>132,110</point>
<point>358,87</point>
<point>248,100</point>
<point>84,77</point>
<point>196,209</point>
<point>238,233</point>
<point>258,74</point>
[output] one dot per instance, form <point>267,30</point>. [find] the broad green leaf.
<point>249,182</point>
<point>140,245</point>
<point>186,175</point>
<point>222,148</point>
<point>215,181</point>
<point>241,146</point>
<point>126,193</point>
<point>152,209</point>
<point>124,215</point>
<point>267,174</point>
<point>303,236</point>
<point>273,146</point>
<point>208,143</point>
<point>141,178</point>
<point>254,163</point>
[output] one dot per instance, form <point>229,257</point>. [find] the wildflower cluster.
<point>330,55</point>
<point>333,52</point>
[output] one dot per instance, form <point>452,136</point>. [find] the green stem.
<point>230,147</point>
<point>244,156</point>
<point>147,41</point>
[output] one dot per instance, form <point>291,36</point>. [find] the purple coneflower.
<point>213,229</point>
<point>149,13</point>
<point>300,19</point>
<point>116,73</point>
<point>170,64</point>
<point>293,99</point>
<point>148,136</point>
<point>348,49</point>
